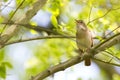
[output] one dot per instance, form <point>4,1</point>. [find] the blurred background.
<point>20,61</point>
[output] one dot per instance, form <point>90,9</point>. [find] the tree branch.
<point>36,28</point>
<point>108,42</point>
<point>103,15</point>
<point>12,30</point>
<point>89,15</point>
<point>37,38</point>
<point>12,16</point>
<point>107,62</point>
<point>95,50</point>
<point>57,68</point>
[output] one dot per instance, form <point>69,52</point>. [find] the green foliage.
<point>1,55</point>
<point>5,0</point>
<point>3,64</point>
<point>79,79</point>
<point>116,77</point>
<point>54,51</point>
<point>54,21</point>
<point>1,19</point>
<point>2,70</point>
<point>7,65</point>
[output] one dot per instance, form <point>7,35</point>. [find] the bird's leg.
<point>87,53</point>
<point>80,51</point>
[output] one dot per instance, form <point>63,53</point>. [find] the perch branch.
<point>57,68</point>
<point>95,50</point>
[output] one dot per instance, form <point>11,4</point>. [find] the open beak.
<point>76,20</point>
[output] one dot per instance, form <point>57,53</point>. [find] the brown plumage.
<point>83,39</point>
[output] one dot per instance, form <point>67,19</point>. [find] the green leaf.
<point>116,77</point>
<point>11,13</point>
<point>1,19</point>
<point>34,24</point>
<point>33,31</point>
<point>2,71</point>
<point>1,55</point>
<point>54,21</point>
<point>8,64</point>
<point>5,0</point>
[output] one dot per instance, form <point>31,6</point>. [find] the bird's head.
<point>80,24</point>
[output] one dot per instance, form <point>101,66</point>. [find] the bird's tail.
<point>87,62</point>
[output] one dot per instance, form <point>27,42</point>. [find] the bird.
<point>83,39</point>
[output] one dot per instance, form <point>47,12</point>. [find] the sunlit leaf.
<point>116,77</point>
<point>5,0</point>
<point>2,55</point>
<point>1,19</point>
<point>54,21</point>
<point>33,31</point>
<point>2,71</point>
<point>32,63</point>
<point>7,64</point>
<point>11,13</point>
<point>33,23</point>
<point>100,12</point>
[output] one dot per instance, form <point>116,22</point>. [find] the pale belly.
<point>84,44</point>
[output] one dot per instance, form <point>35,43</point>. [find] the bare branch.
<point>108,42</point>
<point>89,15</point>
<point>36,28</point>
<point>12,16</point>
<point>107,62</point>
<point>103,15</point>
<point>113,56</point>
<point>59,67</point>
<point>6,5</point>
<point>38,38</point>
<point>100,16</point>
<point>95,50</point>
<point>12,30</point>
<point>111,32</point>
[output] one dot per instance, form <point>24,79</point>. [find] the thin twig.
<point>107,62</point>
<point>12,16</point>
<point>112,31</point>
<point>39,28</point>
<point>113,56</point>
<point>6,5</point>
<point>110,55</point>
<point>100,16</point>
<point>38,38</point>
<point>89,15</point>
<point>103,15</point>
<point>106,40</point>
<point>104,36</point>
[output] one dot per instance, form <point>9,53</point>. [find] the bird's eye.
<point>80,21</point>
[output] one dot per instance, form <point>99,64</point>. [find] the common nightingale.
<point>83,39</point>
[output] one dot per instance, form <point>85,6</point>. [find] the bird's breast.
<point>83,40</point>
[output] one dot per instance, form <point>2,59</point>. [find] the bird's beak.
<point>76,20</point>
